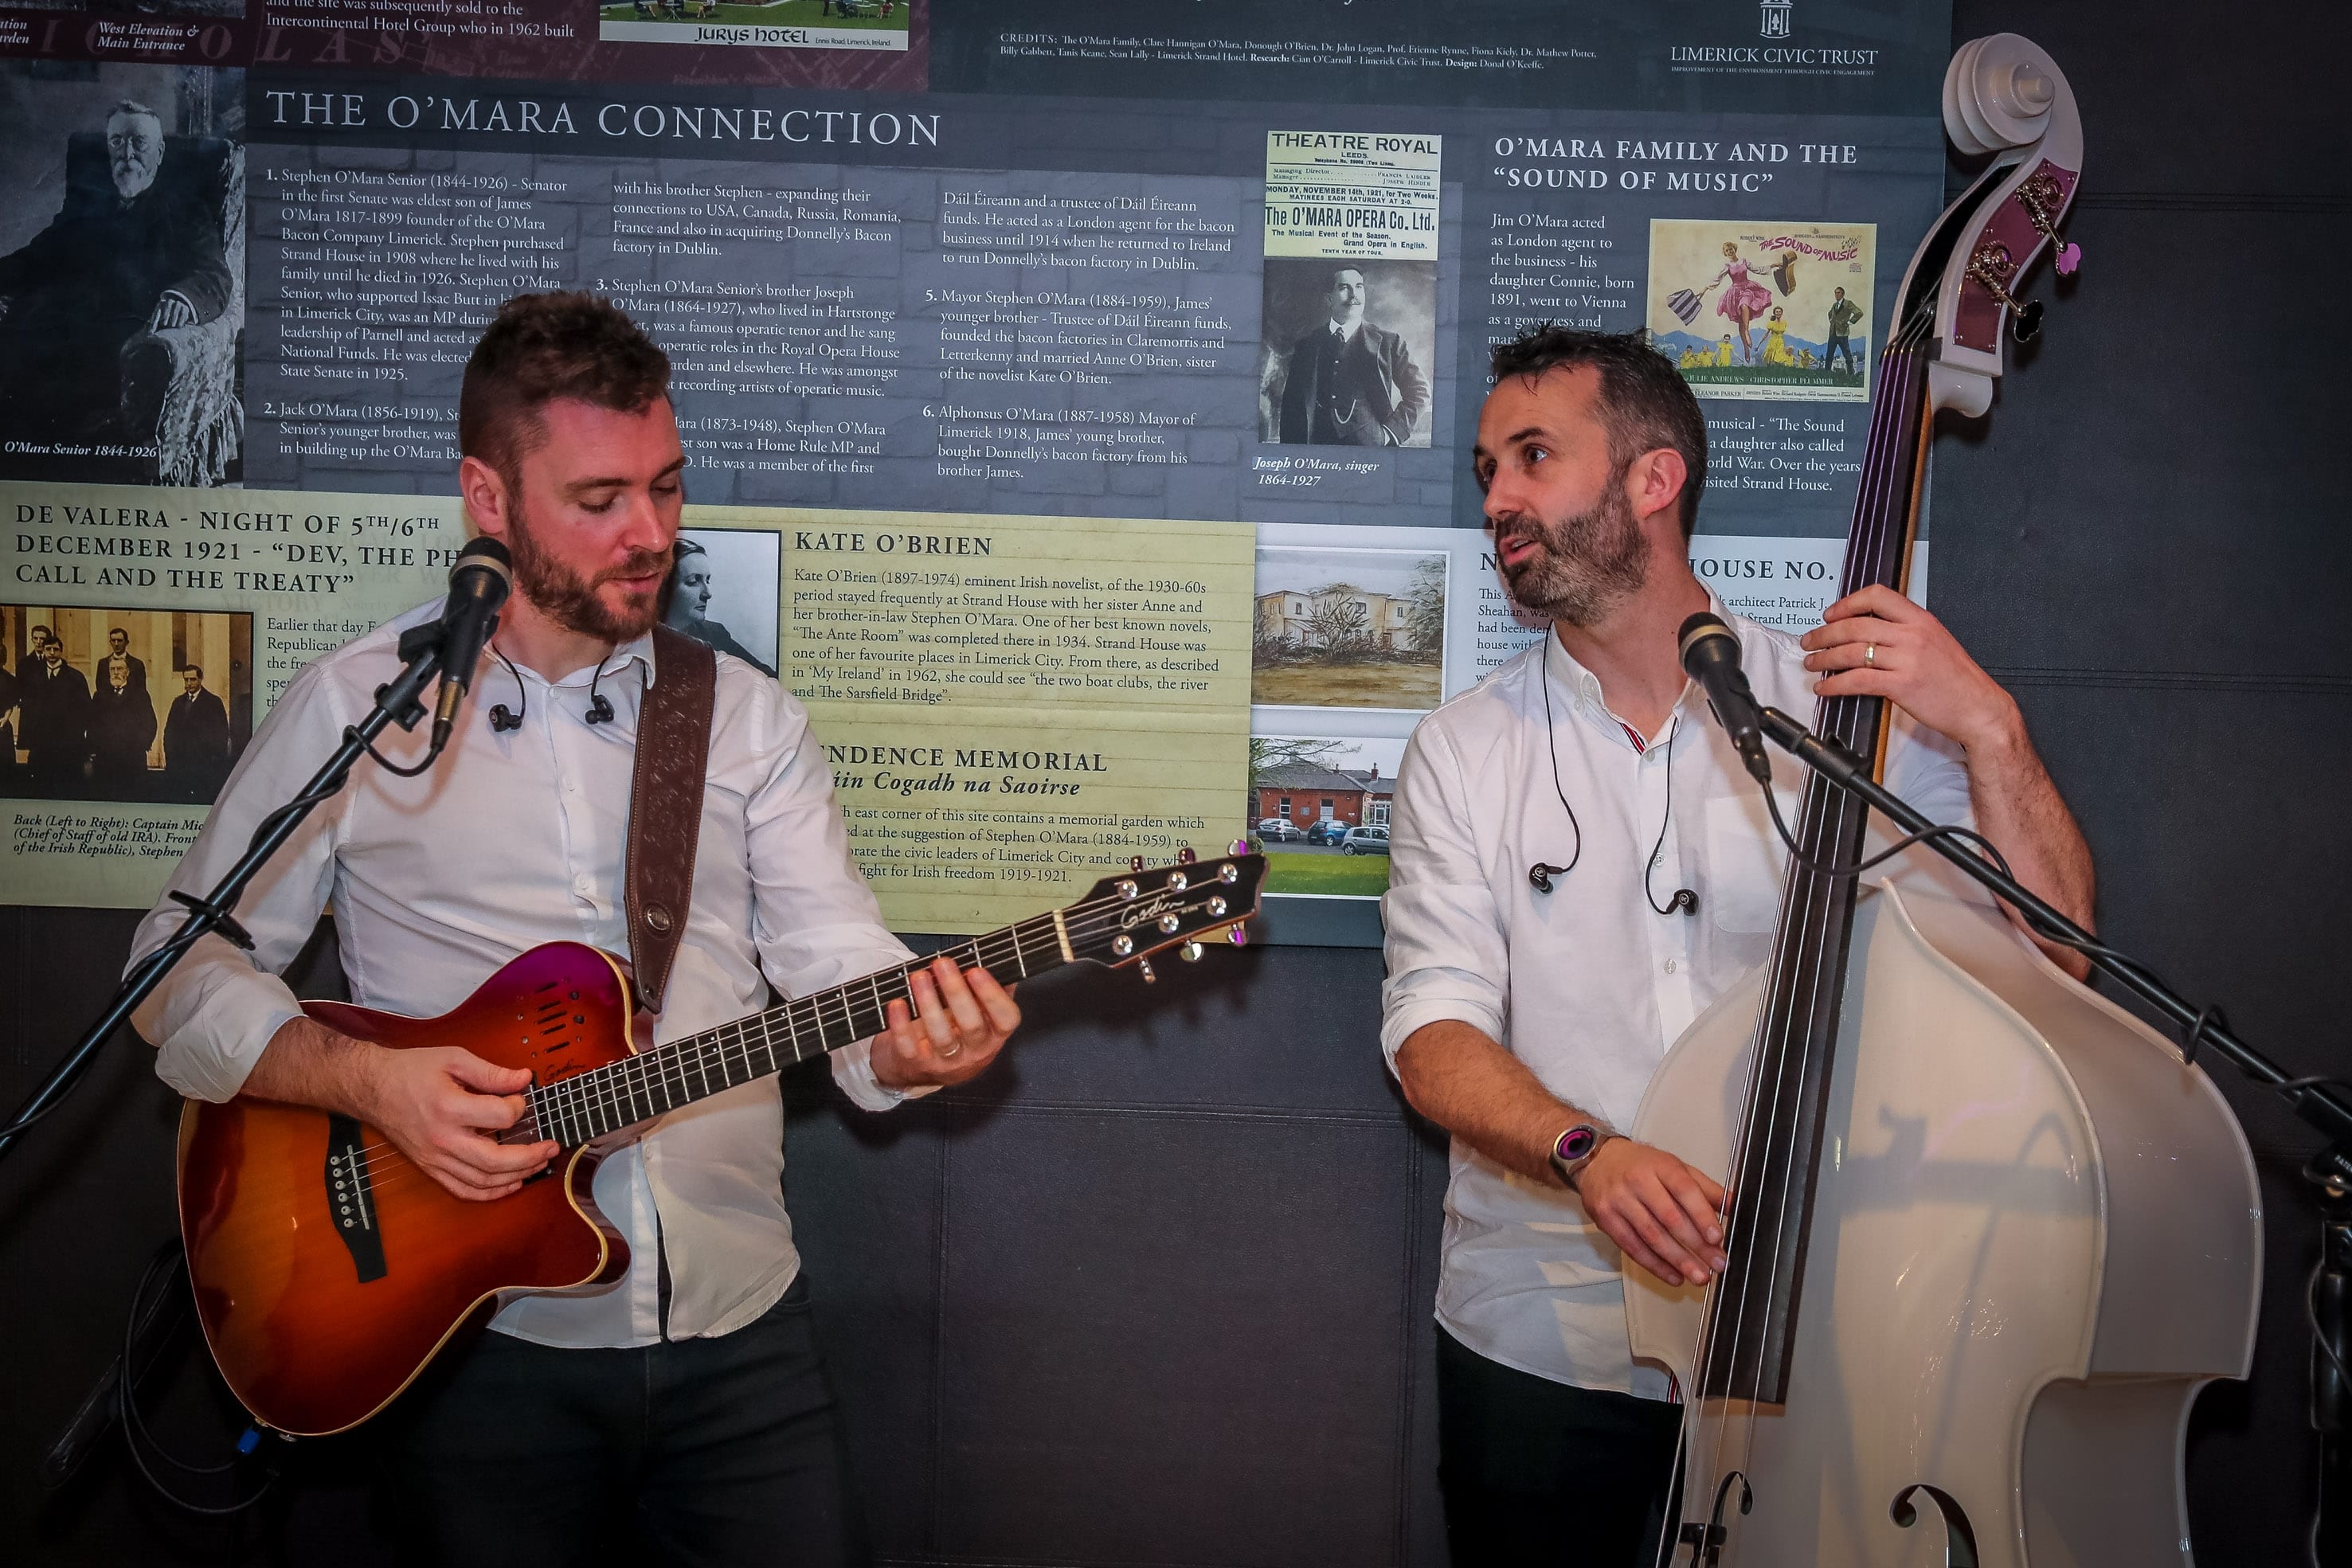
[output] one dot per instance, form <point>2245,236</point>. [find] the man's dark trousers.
<point>1535,1471</point>
<point>700,1452</point>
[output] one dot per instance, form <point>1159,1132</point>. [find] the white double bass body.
<point>2036,1236</point>
<point>1990,1234</point>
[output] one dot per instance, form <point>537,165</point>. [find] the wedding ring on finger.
<point>947,1051</point>
<point>1870,656</point>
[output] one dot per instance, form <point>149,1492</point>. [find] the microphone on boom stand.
<point>1710,655</point>
<point>479,586</point>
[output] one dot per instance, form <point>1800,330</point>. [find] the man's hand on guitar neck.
<point>438,1106</point>
<point>964,1019</point>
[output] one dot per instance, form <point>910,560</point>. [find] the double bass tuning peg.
<point>1992,267</point>
<point>2040,197</point>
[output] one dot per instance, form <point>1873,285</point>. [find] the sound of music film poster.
<point>1778,311</point>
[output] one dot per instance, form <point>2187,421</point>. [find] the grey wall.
<point>1155,1291</point>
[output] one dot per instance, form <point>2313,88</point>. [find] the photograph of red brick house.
<point>1305,792</point>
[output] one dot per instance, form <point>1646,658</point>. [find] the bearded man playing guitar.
<point>1526,1006</point>
<point>688,1402</point>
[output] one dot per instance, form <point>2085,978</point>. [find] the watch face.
<point>1575,1144</point>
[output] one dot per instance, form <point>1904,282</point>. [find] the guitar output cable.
<point>140,1443</point>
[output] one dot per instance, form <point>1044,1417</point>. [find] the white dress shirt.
<point>516,839</point>
<point>1587,984</point>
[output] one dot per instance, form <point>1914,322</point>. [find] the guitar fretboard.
<point>588,1105</point>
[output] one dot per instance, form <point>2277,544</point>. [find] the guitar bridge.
<point>350,1197</point>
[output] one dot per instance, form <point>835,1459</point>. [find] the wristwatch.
<point>1574,1149</point>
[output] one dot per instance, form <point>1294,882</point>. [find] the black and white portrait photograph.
<point>150,705</point>
<point>724,587</point>
<point>122,273</point>
<point>1346,355</point>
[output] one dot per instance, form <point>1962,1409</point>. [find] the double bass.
<point>1988,1234</point>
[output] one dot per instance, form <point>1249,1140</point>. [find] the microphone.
<point>1710,655</point>
<point>478,585</point>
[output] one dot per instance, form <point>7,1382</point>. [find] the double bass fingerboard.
<point>1752,1323</point>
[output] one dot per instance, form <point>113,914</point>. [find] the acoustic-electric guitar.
<point>328,1270</point>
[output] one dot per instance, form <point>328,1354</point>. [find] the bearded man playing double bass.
<point>1529,1002</point>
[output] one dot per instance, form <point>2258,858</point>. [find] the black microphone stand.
<point>2317,1100</point>
<point>399,701</point>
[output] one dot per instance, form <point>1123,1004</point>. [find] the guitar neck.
<point>588,1105</point>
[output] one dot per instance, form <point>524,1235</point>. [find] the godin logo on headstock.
<point>1147,911</point>
<point>1775,21</point>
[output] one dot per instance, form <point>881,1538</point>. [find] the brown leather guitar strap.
<point>666,804</point>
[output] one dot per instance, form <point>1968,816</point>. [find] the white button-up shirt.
<point>1587,984</point>
<point>516,839</point>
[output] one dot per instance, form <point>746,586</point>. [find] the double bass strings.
<point>1875,513</point>
<point>1828,812</point>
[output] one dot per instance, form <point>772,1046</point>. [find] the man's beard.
<point>570,600</point>
<point>1584,566</point>
<point>133,174</point>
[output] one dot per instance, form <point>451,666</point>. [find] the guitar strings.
<point>591,1093</point>
<point>589,1097</point>
<point>577,1101</point>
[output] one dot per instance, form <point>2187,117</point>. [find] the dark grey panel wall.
<point>2147,541</point>
<point>1157,1290</point>
<point>1177,1260</point>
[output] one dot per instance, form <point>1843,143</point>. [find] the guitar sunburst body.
<point>328,1270</point>
<point>325,1289</point>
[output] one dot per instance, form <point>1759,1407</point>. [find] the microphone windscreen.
<point>1697,630</point>
<point>483,572</point>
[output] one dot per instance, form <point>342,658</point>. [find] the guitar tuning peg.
<point>1143,968</point>
<point>1135,863</point>
<point>1238,847</point>
<point>1186,856</point>
<point>2070,259</point>
<point>2025,322</point>
<point>1238,934</point>
<point>1191,952</point>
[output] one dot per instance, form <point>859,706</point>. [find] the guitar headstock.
<point>1128,917</point>
<point>2005,97</point>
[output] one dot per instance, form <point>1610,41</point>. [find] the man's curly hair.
<point>543,347</point>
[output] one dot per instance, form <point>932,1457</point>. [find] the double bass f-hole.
<point>1705,1541</point>
<point>1959,1536</point>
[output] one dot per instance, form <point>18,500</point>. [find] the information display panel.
<point>1190,326</point>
